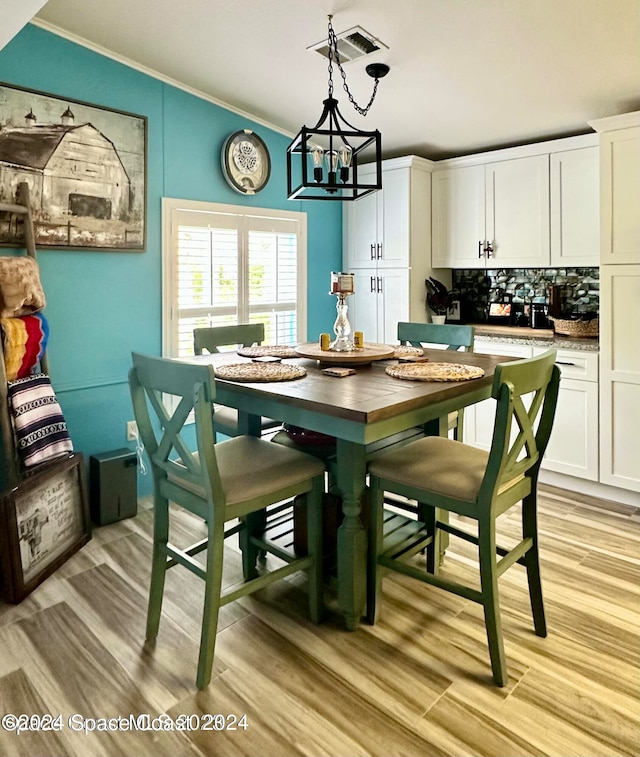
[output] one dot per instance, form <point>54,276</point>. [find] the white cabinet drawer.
<point>501,348</point>
<point>582,366</point>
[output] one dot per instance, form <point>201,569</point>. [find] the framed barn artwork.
<point>43,521</point>
<point>86,167</point>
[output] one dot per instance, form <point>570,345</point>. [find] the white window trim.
<point>171,205</point>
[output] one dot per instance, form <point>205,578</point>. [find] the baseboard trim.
<point>590,488</point>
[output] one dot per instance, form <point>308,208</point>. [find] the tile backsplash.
<point>580,288</point>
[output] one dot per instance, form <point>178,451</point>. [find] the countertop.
<point>539,337</point>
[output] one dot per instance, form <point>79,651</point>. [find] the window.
<point>226,264</point>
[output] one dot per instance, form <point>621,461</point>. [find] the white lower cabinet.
<point>573,447</point>
<point>479,418</point>
<point>620,376</point>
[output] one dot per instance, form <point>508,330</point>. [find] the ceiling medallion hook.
<point>333,147</point>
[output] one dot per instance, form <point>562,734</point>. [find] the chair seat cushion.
<point>226,421</point>
<point>435,464</point>
<point>251,468</point>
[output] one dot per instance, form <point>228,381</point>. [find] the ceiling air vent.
<point>353,44</point>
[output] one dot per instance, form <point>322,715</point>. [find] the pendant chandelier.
<point>322,162</point>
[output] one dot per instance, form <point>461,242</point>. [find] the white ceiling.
<point>15,14</point>
<point>466,75</point>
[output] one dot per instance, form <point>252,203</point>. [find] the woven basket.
<point>577,329</point>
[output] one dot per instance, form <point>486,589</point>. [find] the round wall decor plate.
<point>434,371</point>
<point>246,163</point>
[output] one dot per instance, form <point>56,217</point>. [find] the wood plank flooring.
<point>418,683</point>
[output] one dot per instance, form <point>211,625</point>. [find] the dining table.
<point>359,410</point>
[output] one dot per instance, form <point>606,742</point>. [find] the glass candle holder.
<point>342,327</point>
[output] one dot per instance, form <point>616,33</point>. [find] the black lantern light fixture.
<point>333,147</point>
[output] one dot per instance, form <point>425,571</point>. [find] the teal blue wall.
<point>103,305</point>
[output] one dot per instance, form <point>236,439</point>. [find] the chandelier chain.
<point>333,54</point>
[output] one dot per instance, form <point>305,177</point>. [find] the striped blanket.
<point>40,429</point>
<point>24,340</point>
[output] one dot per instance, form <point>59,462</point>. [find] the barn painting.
<point>85,167</point>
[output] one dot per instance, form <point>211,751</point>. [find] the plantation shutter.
<point>233,268</point>
<point>206,274</point>
<point>272,285</point>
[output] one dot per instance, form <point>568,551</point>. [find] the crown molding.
<point>611,123</point>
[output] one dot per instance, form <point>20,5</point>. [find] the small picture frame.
<point>453,312</point>
<point>43,521</point>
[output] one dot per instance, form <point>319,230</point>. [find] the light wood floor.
<point>418,683</point>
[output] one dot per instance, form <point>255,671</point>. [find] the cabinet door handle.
<point>489,249</point>
<point>373,251</point>
<point>379,284</point>
<point>480,249</point>
<point>379,250</point>
<point>560,362</point>
<point>371,287</point>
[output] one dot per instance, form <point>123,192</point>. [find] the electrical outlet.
<point>132,431</point>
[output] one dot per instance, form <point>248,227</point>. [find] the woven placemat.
<point>260,372</point>
<point>272,350</point>
<point>434,371</point>
<point>408,351</point>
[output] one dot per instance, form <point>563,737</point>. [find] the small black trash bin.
<point>113,486</point>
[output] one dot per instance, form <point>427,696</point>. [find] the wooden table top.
<point>367,396</point>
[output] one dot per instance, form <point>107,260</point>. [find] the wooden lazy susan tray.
<point>363,356</point>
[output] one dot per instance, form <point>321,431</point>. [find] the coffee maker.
<point>538,315</point>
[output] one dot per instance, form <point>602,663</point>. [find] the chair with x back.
<point>220,483</point>
<point>446,475</point>
<point>453,336</point>
<point>241,335</point>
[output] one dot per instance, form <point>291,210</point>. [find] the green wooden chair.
<point>240,335</point>
<point>221,483</point>
<point>454,337</point>
<point>445,475</point>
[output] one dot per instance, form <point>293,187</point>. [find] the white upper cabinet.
<point>366,231</point>
<point>517,213</point>
<point>382,229</point>
<point>396,218</point>
<point>386,244</point>
<point>458,227</point>
<point>575,207</point>
<point>379,225</point>
<point>522,207</point>
<point>620,188</point>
